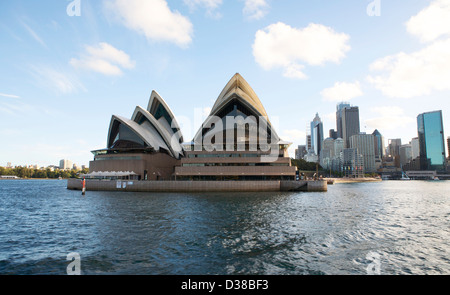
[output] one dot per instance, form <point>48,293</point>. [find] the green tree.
<point>303,165</point>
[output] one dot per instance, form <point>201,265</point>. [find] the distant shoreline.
<point>355,180</point>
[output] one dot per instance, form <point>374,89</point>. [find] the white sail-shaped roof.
<point>237,89</point>
<point>159,108</point>
<point>154,127</point>
<point>147,134</point>
<point>165,132</point>
<point>238,86</point>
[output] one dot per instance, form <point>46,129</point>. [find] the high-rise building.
<point>333,134</point>
<point>65,164</point>
<point>350,123</point>
<point>308,142</point>
<point>364,144</point>
<point>352,163</point>
<point>405,152</point>
<point>380,151</point>
<point>328,144</point>
<point>394,150</point>
<point>338,146</point>
<point>431,141</point>
<point>300,152</point>
<point>339,109</point>
<point>316,134</point>
<point>336,164</point>
<point>327,153</point>
<point>415,150</point>
<point>394,146</point>
<point>379,144</point>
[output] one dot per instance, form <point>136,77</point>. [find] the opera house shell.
<point>150,145</point>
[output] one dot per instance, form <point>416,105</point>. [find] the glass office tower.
<point>431,141</point>
<point>379,144</point>
<point>316,134</point>
<point>339,109</point>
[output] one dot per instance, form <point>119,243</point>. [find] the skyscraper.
<point>338,146</point>
<point>333,134</point>
<point>379,144</point>
<point>65,164</point>
<point>327,153</point>
<point>431,141</point>
<point>363,143</point>
<point>336,160</point>
<point>415,150</point>
<point>316,134</point>
<point>394,150</point>
<point>308,142</point>
<point>350,124</point>
<point>300,152</point>
<point>405,152</point>
<point>339,109</point>
<point>352,163</point>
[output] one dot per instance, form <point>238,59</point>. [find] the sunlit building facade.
<point>364,143</point>
<point>236,142</point>
<point>317,135</point>
<point>352,163</point>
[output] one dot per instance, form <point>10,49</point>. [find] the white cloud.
<point>294,71</point>
<point>34,34</point>
<point>432,22</point>
<point>389,118</point>
<point>407,75</point>
<point>419,73</point>
<point>210,6</point>
<point>282,46</point>
<point>9,95</point>
<point>255,9</point>
<point>104,59</point>
<point>154,19</point>
<point>55,80</point>
<point>342,91</point>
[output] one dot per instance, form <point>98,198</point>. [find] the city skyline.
<point>80,67</point>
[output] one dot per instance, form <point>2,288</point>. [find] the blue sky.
<point>64,71</point>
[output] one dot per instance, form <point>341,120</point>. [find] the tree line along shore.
<point>32,173</point>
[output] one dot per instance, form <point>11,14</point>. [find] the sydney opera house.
<point>236,142</point>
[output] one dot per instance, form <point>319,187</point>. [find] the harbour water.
<point>390,227</point>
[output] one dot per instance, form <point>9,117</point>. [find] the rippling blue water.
<point>405,223</point>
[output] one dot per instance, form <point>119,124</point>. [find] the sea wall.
<point>197,186</point>
<point>304,185</point>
